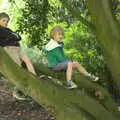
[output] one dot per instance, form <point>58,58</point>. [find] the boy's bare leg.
<point>80,68</point>
<point>29,65</point>
<point>69,71</point>
<point>70,83</point>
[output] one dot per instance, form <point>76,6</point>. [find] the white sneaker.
<point>93,78</point>
<point>71,85</point>
<point>18,95</point>
<point>118,108</point>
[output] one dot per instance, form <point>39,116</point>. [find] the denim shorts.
<point>61,66</point>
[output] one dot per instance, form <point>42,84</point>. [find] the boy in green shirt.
<point>58,61</point>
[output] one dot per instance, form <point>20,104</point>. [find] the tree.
<point>103,16</point>
<point>108,33</point>
<point>66,104</point>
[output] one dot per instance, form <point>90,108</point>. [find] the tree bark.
<point>88,86</point>
<point>67,104</point>
<point>108,33</point>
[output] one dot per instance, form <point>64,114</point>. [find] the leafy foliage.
<point>34,21</point>
<point>39,16</point>
<point>81,45</point>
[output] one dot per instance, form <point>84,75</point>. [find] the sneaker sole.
<point>73,87</point>
<point>18,98</point>
<point>95,80</point>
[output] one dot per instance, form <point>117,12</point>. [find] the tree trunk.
<point>67,104</point>
<point>108,32</point>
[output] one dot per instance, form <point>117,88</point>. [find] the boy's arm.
<point>6,33</point>
<point>59,54</point>
<point>3,32</point>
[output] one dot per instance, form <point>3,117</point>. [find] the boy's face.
<point>4,22</point>
<point>58,36</point>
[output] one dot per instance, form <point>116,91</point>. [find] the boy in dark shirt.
<point>9,40</point>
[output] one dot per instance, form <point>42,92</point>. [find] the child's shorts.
<point>15,53</point>
<point>61,66</point>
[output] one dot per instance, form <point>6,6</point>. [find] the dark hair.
<point>4,15</point>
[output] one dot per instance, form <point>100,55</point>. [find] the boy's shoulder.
<point>52,44</point>
<point>5,29</point>
<point>53,51</point>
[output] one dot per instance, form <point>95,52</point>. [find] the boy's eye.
<point>5,21</point>
<point>60,34</point>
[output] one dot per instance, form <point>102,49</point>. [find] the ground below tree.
<point>12,109</point>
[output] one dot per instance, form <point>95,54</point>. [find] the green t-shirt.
<point>56,56</point>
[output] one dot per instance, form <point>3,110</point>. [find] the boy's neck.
<point>2,26</point>
<point>57,41</point>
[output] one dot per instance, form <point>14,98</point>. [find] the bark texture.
<point>67,104</point>
<point>108,33</point>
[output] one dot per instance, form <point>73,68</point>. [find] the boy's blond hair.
<point>56,29</point>
<point>4,15</point>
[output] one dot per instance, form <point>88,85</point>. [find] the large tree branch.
<point>67,104</point>
<point>89,86</point>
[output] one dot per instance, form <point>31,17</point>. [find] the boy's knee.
<point>26,59</point>
<point>77,64</point>
<point>70,64</point>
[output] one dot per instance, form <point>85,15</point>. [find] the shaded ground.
<point>12,109</point>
